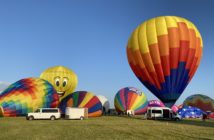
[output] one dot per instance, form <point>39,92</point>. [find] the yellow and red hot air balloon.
<point>164,53</point>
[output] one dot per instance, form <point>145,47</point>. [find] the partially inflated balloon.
<point>63,79</point>
<point>174,108</point>
<point>190,112</point>
<point>82,99</point>
<point>164,53</point>
<point>155,103</point>
<point>130,98</point>
<point>26,96</point>
<point>203,102</point>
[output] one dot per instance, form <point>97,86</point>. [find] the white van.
<point>76,113</point>
<point>44,113</point>
<point>161,113</point>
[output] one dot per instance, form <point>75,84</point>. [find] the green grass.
<point>105,128</point>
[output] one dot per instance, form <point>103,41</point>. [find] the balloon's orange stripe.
<point>183,31</point>
<point>163,44</point>
<point>155,54</point>
<point>95,114</point>
<point>173,37</point>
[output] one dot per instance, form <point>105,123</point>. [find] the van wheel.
<point>52,118</point>
<point>81,118</point>
<point>30,118</point>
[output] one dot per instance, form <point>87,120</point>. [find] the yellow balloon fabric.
<point>63,79</point>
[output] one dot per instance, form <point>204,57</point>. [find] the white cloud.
<point>3,86</point>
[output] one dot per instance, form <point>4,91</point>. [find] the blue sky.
<point>90,37</point>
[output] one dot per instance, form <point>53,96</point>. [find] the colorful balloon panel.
<point>164,53</point>
<point>203,102</point>
<point>190,112</point>
<point>174,108</point>
<point>26,96</point>
<point>82,99</point>
<point>155,103</point>
<point>63,79</point>
<point>130,98</point>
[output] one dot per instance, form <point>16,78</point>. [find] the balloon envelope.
<point>130,98</point>
<point>190,112</point>
<point>203,102</point>
<point>82,99</point>
<point>164,53</point>
<point>105,103</point>
<point>63,79</point>
<point>26,96</point>
<point>155,103</point>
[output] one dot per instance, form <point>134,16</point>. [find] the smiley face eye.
<point>57,82</point>
<point>64,82</point>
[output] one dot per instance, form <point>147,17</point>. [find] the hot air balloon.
<point>130,98</point>
<point>203,102</point>
<point>105,103</point>
<point>155,103</point>
<point>174,108</point>
<point>63,79</point>
<point>190,112</point>
<point>26,96</point>
<point>82,99</point>
<point>164,53</point>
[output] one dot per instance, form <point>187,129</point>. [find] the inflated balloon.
<point>63,79</point>
<point>155,103</point>
<point>164,53</point>
<point>82,99</point>
<point>190,112</point>
<point>105,103</point>
<point>26,96</point>
<point>174,108</point>
<point>203,102</point>
<point>130,98</point>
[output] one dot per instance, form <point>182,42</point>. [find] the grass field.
<point>106,128</point>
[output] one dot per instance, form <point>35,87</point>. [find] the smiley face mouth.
<point>61,93</point>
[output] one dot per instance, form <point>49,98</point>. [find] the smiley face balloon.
<point>63,79</point>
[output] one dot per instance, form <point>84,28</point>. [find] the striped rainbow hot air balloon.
<point>82,99</point>
<point>26,96</point>
<point>164,53</point>
<point>130,98</point>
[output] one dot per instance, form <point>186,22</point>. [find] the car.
<point>44,113</point>
<point>162,113</point>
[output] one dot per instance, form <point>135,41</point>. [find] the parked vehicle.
<point>76,113</point>
<point>44,113</point>
<point>162,113</point>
